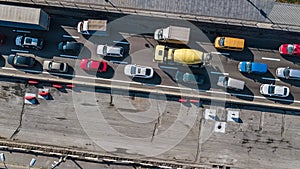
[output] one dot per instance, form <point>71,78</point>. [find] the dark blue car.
<point>253,67</point>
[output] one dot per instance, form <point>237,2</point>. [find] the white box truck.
<point>24,17</point>
<point>93,27</point>
<point>173,34</point>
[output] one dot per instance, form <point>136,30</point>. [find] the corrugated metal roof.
<point>17,14</point>
<point>285,14</point>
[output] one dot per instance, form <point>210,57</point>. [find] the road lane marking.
<point>273,59</point>
<point>69,56</point>
<point>115,41</point>
<point>220,73</point>
<point>120,62</point>
<point>21,31</point>
<point>168,67</point>
<point>272,79</point>
<point>220,53</point>
<point>16,50</point>
<point>68,36</point>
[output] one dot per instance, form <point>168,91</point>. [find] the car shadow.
<point>266,78</point>
<point>155,80</point>
<point>246,94</point>
<point>294,59</point>
<point>2,61</point>
<point>291,82</point>
<point>245,55</point>
<point>286,100</point>
<point>109,74</point>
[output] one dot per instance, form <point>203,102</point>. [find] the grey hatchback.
<point>23,60</point>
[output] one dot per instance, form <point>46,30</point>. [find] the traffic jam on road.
<point>167,51</point>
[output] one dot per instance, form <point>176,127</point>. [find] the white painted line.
<point>128,162</point>
<point>110,160</point>
<point>53,153</point>
<point>58,74</point>
<point>220,53</point>
<point>120,42</point>
<point>20,149</point>
<point>91,158</point>
<point>120,62</point>
<point>68,36</point>
<point>163,166</point>
<point>273,59</point>
<point>37,151</point>
<point>69,56</point>
<point>168,67</point>
<point>74,156</point>
<point>146,164</point>
<point>21,31</point>
<point>220,73</point>
<point>272,79</point>
<point>16,50</point>
<point>24,70</point>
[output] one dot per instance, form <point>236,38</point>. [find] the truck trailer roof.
<point>17,16</point>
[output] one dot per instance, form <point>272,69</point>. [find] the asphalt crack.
<point>21,118</point>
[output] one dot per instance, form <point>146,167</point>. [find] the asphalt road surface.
<point>124,125</point>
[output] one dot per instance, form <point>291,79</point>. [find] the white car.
<point>111,51</point>
<point>274,90</point>
<point>138,71</point>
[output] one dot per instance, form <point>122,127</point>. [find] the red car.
<point>290,49</point>
<point>93,65</point>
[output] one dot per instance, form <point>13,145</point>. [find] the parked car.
<point>54,66</point>
<point>253,67</point>
<point>93,65</point>
<point>111,51</point>
<point>288,73</point>
<point>274,90</point>
<point>29,42</point>
<point>72,48</point>
<point>21,59</point>
<point>189,77</point>
<point>138,71</point>
<point>231,83</point>
<point>2,38</point>
<point>289,49</point>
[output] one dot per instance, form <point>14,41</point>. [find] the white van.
<point>230,83</point>
<point>288,73</point>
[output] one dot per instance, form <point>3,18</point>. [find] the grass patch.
<point>289,1</point>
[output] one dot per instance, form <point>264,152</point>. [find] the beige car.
<point>54,66</point>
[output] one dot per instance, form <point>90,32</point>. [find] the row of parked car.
<point>28,60</point>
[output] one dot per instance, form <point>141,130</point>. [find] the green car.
<point>189,78</point>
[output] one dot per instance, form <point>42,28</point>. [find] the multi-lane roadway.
<point>135,34</point>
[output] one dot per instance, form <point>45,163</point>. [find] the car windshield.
<point>248,67</point>
<point>225,82</point>
<point>285,91</point>
<point>148,72</point>
<point>222,41</point>
<point>286,72</point>
<point>271,89</point>
<point>61,66</point>
<point>133,70</point>
<point>290,48</point>
<point>104,49</point>
<point>88,65</point>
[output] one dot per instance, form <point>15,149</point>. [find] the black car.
<point>186,77</point>
<point>72,48</point>
<point>23,60</point>
<point>29,42</point>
